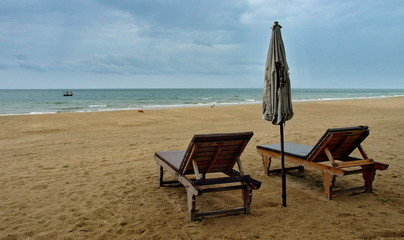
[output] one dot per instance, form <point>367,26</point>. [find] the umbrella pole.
<point>283,166</point>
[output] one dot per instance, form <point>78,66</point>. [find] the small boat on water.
<point>68,93</point>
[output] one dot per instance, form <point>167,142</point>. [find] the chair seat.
<point>172,158</point>
<point>291,149</point>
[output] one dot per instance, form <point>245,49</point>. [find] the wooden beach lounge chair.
<point>330,156</point>
<point>206,154</point>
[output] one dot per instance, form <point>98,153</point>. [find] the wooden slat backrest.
<point>214,152</point>
<point>341,142</point>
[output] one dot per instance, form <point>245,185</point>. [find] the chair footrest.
<point>221,212</point>
<point>349,190</point>
<point>354,163</point>
<point>300,168</point>
<point>219,189</point>
<point>234,179</point>
<point>170,182</point>
<point>211,181</point>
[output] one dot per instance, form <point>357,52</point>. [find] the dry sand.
<point>93,175</point>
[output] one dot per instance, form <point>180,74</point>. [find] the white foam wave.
<point>344,98</point>
<point>98,105</point>
<point>29,113</point>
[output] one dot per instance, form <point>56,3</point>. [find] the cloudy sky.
<point>198,43</point>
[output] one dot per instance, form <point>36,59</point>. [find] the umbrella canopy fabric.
<point>277,101</point>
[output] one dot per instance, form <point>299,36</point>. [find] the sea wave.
<point>343,98</point>
<point>98,105</point>
<point>27,113</point>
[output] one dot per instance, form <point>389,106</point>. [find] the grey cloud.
<point>144,64</point>
<point>30,66</point>
<point>186,15</point>
<point>4,66</point>
<point>21,57</point>
<point>114,64</point>
<point>21,61</point>
<point>204,44</point>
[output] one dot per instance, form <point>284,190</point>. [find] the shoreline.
<point>196,106</point>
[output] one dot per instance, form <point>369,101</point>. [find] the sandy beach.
<point>93,175</point>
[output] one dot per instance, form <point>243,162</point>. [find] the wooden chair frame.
<point>341,163</point>
<point>192,173</point>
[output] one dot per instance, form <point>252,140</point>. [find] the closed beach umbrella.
<point>277,101</point>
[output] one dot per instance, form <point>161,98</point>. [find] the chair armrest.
<point>381,166</point>
<point>253,183</point>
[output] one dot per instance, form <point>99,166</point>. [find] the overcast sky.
<point>199,43</point>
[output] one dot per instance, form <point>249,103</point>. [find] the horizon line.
<point>66,89</point>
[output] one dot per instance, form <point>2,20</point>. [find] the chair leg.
<point>368,174</point>
<point>160,175</point>
<point>247,198</point>
<point>300,169</point>
<point>266,161</point>
<point>191,205</point>
<point>328,182</point>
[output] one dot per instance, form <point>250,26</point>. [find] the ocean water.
<point>17,102</point>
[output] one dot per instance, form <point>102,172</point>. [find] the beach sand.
<point>93,175</point>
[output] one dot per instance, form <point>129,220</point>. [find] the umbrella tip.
<point>276,23</point>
